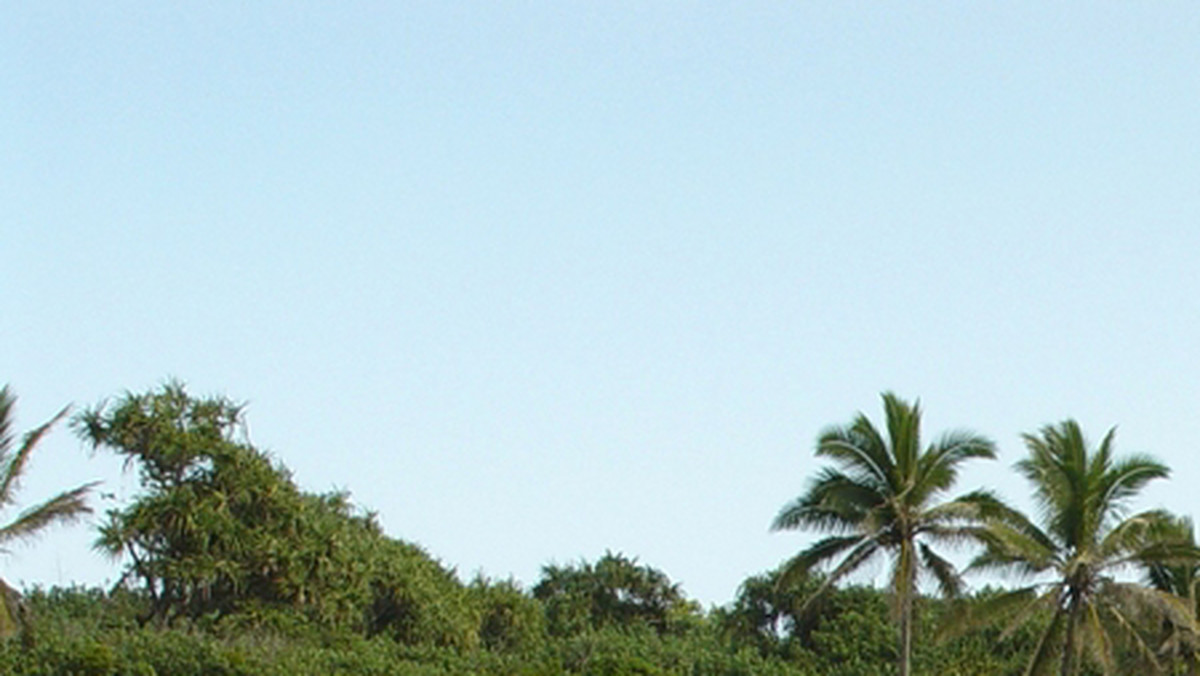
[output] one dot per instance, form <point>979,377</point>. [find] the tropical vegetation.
<point>62,508</point>
<point>1085,540</point>
<point>882,498</point>
<point>232,568</point>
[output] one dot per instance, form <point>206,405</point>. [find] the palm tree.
<point>882,498</point>
<point>1086,539</point>
<point>64,507</point>
<point>1181,581</point>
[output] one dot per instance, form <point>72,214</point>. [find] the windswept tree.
<point>221,530</point>
<point>1086,538</point>
<point>14,460</point>
<point>883,497</point>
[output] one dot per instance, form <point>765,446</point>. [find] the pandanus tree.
<point>14,460</point>
<point>884,497</point>
<point>220,530</point>
<point>1086,540</point>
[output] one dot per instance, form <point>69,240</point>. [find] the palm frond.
<point>968,615</point>
<point>1057,469</point>
<point>953,536</point>
<point>818,553</point>
<point>859,448</point>
<point>64,507</point>
<point>1143,650</point>
<point>1151,540</point>
<point>1037,600</point>
<point>1125,479</point>
<point>1135,598</point>
<point>979,506</point>
<point>14,469</point>
<point>1178,578</point>
<point>1133,532</point>
<point>938,465</point>
<point>834,502</point>
<point>1099,644</point>
<point>798,566</point>
<point>904,432</point>
<point>1100,460</point>
<point>950,583</point>
<point>7,401</point>
<point>1015,549</point>
<point>1041,663</point>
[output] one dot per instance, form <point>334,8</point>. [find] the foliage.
<point>1083,543</point>
<point>62,508</point>
<point>767,614</point>
<point>415,600</point>
<point>509,619</point>
<point>88,631</point>
<point>83,631</point>
<point>221,534</point>
<point>233,569</point>
<point>614,592</point>
<point>882,498</point>
<point>1178,635</point>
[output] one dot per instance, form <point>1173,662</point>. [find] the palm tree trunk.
<point>906,579</point>
<point>1068,659</point>
<point>1194,660</point>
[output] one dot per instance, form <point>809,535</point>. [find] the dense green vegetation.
<point>231,568</point>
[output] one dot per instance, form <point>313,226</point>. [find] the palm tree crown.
<point>14,459</point>
<point>63,507</point>
<point>882,497</point>
<point>1180,582</point>
<point>1086,538</point>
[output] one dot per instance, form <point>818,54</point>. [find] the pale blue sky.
<point>536,280</point>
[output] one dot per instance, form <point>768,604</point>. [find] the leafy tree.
<point>221,532</point>
<point>615,591</point>
<point>64,507</point>
<point>510,619</point>
<point>764,614</point>
<point>413,599</point>
<point>882,498</point>
<point>1082,543</point>
<point>210,529</point>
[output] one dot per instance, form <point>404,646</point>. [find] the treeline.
<point>233,569</point>
<point>89,631</point>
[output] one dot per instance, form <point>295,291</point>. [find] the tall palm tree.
<point>1085,540</point>
<point>882,498</point>
<point>64,507</point>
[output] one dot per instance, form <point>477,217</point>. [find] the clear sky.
<point>537,280</point>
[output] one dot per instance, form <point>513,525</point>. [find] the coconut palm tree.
<point>64,507</point>
<point>1181,581</point>
<point>1086,539</point>
<point>882,498</point>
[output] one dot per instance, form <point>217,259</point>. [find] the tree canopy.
<point>220,529</point>
<point>233,568</point>
<point>1084,541</point>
